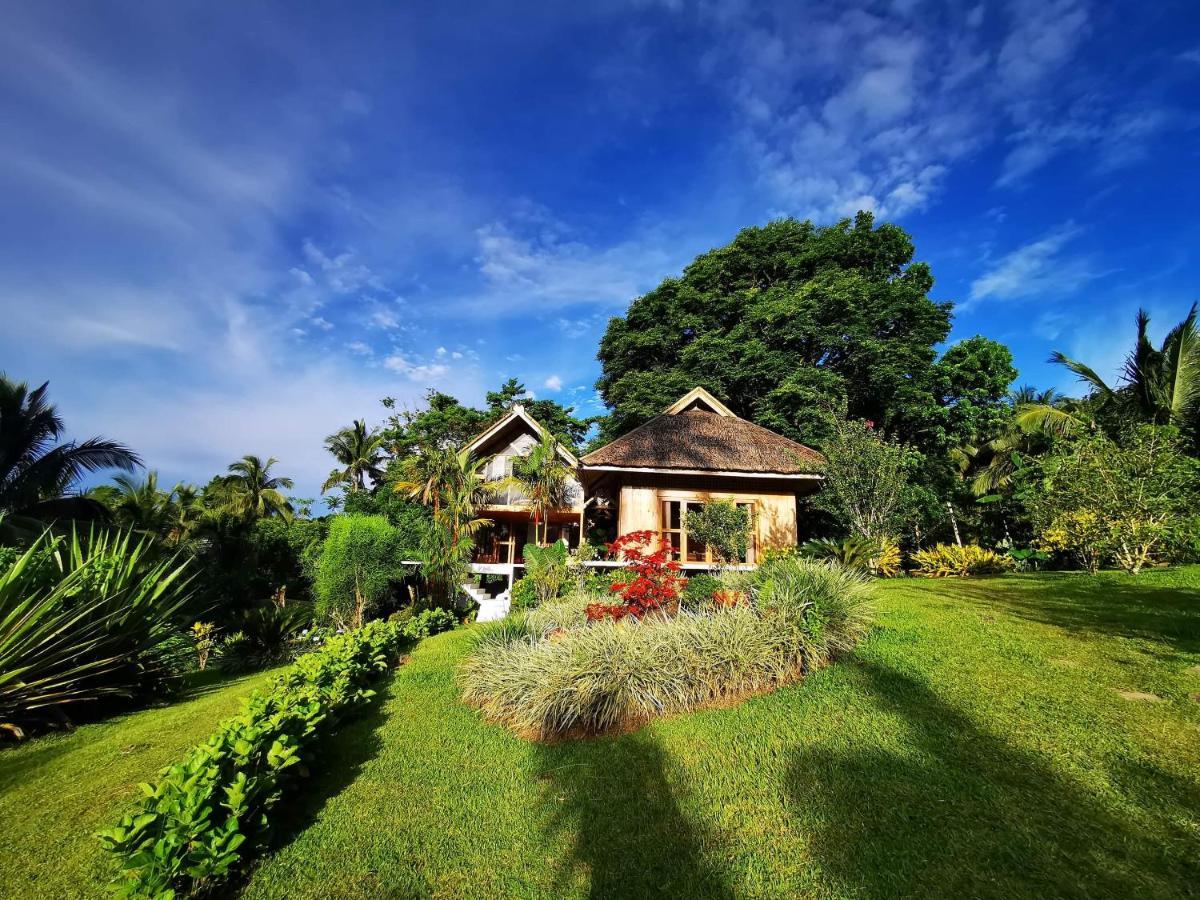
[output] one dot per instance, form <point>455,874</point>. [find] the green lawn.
<point>976,746</point>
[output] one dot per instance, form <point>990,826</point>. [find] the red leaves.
<point>656,583</point>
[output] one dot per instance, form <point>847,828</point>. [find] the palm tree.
<point>254,491</point>
<point>361,453</point>
<point>466,491</point>
<point>1159,386</point>
<point>137,504</point>
<point>37,472</point>
<point>423,475</point>
<point>545,480</point>
<point>186,512</point>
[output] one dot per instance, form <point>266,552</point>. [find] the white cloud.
<point>323,324</point>
<point>1043,37</point>
<point>1037,269</point>
<point>414,371</point>
<point>554,383</point>
<point>384,318</point>
<point>359,348</point>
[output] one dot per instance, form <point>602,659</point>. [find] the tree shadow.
<point>628,833</point>
<point>959,812</point>
<point>1107,604</point>
<point>339,760</point>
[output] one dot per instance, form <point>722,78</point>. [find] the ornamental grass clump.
<point>546,681</point>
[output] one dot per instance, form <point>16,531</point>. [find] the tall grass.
<point>547,674</point>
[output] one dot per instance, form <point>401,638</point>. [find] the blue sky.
<point>232,228</point>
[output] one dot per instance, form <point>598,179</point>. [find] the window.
<point>675,535</point>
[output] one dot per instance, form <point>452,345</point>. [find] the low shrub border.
<point>952,561</point>
<point>203,816</point>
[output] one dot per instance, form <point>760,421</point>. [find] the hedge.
<point>204,816</point>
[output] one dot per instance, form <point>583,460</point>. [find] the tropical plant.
<point>37,472</point>
<point>137,504</point>
<point>85,618</point>
<point>359,561</point>
<point>545,675</point>
<point>546,571</point>
<point>853,552</point>
<point>253,491</point>
<point>204,636</point>
<point>722,527</point>
<point>202,818</point>
<point>1101,499</point>
<point>266,636</point>
<point>359,452</point>
<point>654,584</point>
<point>866,479</point>
<point>954,561</point>
<point>545,479</point>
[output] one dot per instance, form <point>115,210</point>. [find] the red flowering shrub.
<point>656,582</point>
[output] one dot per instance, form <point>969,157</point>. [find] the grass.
<point>975,745</point>
<point>56,791</point>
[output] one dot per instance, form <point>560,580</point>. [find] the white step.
<point>490,610</point>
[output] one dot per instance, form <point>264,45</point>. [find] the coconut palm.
<point>254,491</point>
<point>186,512</point>
<point>360,452</point>
<point>137,504</point>
<point>37,472</point>
<point>545,480</point>
<point>1158,385</point>
<point>423,474</point>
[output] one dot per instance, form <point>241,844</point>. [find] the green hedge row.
<point>204,815</point>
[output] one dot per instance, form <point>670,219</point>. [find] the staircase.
<point>490,608</point>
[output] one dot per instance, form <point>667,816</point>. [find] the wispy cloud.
<point>1040,268</point>
<point>554,383</point>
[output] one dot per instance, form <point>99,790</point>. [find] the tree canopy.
<point>794,325</point>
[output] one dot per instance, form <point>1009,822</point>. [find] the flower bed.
<point>551,675</point>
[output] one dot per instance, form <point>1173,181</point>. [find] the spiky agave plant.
<point>82,619</point>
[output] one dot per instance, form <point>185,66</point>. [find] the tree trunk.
<point>953,522</point>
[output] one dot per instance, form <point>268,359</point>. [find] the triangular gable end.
<point>517,412</point>
<point>698,397</point>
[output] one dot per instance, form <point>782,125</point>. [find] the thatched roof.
<point>697,435</point>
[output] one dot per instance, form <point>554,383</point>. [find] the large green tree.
<point>791,325</point>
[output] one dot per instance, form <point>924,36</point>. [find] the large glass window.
<point>683,548</point>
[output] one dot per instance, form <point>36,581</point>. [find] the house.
<point>696,451</point>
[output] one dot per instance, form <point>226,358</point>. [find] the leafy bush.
<point>201,819</point>
<point>952,561</point>
<point>700,589</point>
<point>84,619</point>
<point>721,526</point>
<point>428,622</point>
<point>545,674</point>
<point>546,570</point>
<point>655,583</point>
<point>853,552</point>
<point>523,594</point>
<point>886,561</point>
<point>266,636</point>
<point>358,563</point>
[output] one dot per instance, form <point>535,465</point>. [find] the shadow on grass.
<point>1107,604</point>
<point>961,813</point>
<point>628,832</point>
<point>338,762</point>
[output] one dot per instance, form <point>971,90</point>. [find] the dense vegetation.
<point>977,744</point>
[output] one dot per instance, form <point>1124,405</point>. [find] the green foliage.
<point>854,552</point>
<point>38,471</point>
<point>545,675</point>
<point>952,561</point>
<point>788,324</point>
<point>266,636</point>
<point>359,452</point>
<point>867,480</point>
<point>546,570</point>
<point>84,619</point>
<point>524,594</point>
<point>545,479</point>
<point>201,819</point>
<point>724,527</point>
<point>428,622</point>
<point>976,374</point>
<point>359,561</point>
<point>699,590</point>
<point>1102,500</point>
<point>410,519</point>
<point>559,420</point>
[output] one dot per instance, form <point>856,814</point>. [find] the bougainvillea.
<point>656,582</point>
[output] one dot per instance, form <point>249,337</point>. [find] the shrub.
<point>266,636</point>
<point>547,675</point>
<point>523,594</point>
<point>952,561</point>
<point>84,619</point>
<point>201,819</point>
<point>546,570</point>
<point>358,563</point>
<point>204,638</point>
<point>854,552</point>
<point>655,583</point>
<point>428,622</point>
<point>721,526</point>
<point>700,589</point>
